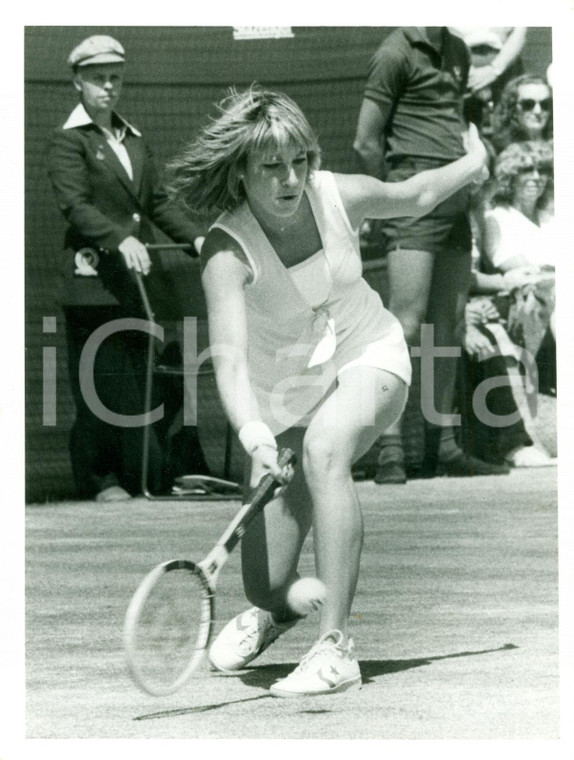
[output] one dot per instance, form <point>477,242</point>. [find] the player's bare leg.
<point>366,401</point>
<point>270,549</point>
<point>270,552</point>
<point>348,422</point>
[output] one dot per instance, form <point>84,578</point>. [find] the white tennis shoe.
<point>329,667</point>
<point>245,637</point>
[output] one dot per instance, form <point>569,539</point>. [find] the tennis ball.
<point>306,595</point>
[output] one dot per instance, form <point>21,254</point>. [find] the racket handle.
<point>262,494</point>
<point>268,482</point>
<point>286,456</point>
<point>267,485</point>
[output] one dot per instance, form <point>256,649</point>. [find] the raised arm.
<point>366,197</point>
<point>511,48</point>
<point>484,75</point>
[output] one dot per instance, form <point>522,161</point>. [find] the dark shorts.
<point>446,230</point>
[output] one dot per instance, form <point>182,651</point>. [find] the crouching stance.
<point>305,354</point>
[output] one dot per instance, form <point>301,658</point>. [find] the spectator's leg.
<point>402,444</point>
<point>449,295</point>
<point>93,444</point>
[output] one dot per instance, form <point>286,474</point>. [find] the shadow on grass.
<point>262,677</point>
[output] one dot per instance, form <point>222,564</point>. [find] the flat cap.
<point>97,49</point>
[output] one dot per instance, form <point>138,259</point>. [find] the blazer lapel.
<point>105,153</point>
<point>135,148</point>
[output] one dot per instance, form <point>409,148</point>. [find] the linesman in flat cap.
<point>108,188</point>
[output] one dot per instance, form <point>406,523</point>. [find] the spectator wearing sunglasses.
<point>523,186</point>
<point>524,112</point>
<point>511,309</point>
<point>519,236</point>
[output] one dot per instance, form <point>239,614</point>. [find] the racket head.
<point>168,626</point>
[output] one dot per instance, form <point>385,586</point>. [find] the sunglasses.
<point>529,104</point>
<point>544,170</point>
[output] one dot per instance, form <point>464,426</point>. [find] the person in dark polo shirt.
<point>411,119</point>
<point>107,187</point>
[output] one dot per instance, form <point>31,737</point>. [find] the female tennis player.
<point>305,354</point>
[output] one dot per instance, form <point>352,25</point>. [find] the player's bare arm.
<point>224,276</point>
<point>368,198</point>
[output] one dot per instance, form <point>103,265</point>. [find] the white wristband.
<point>254,434</point>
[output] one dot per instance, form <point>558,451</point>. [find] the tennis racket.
<point>169,620</point>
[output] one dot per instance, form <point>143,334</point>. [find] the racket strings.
<point>169,632</point>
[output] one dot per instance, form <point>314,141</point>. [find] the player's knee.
<point>321,457</point>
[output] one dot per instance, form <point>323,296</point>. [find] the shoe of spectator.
<point>530,456</point>
<point>417,471</point>
<point>390,472</point>
<point>464,466</point>
<point>113,493</point>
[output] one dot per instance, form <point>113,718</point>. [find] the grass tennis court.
<point>455,620</point>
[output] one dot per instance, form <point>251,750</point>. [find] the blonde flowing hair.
<point>207,176</point>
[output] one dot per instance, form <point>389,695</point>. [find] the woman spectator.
<point>524,112</point>
<point>512,323</point>
<point>519,224</point>
<point>519,232</point>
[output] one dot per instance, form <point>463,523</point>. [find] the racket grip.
<point>267,485</point>
<point>286,456</point>
<point>261,495</point>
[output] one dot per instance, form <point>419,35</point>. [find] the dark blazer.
<point>103,206</point>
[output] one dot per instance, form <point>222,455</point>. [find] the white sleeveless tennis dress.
<point>307,324</point>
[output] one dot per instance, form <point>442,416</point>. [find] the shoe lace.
<point>318,651</point>
<point>267,633</point>
<point>246,640</point>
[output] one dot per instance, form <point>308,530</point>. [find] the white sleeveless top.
<point>313,279</point>
<point>519,236</point>
<point>284,328</point>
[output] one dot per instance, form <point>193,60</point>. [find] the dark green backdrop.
<point>173,76</point>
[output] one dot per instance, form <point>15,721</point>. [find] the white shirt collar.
<point>80,118</point>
